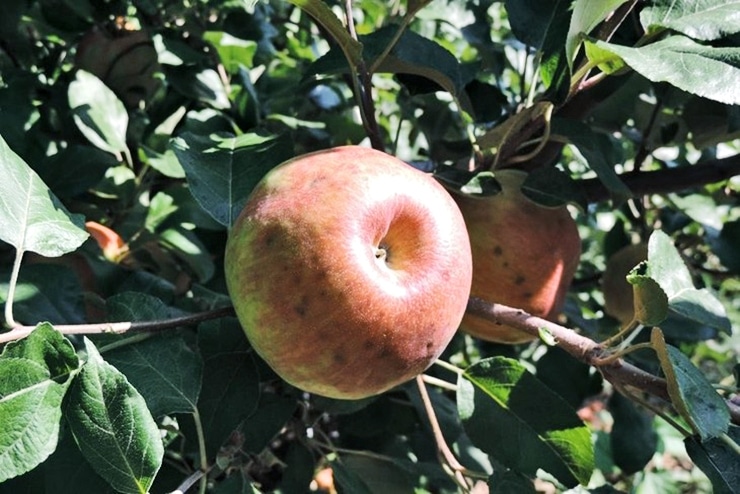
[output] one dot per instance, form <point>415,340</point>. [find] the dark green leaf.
<point>705,19</point>
<point>47,292</point>
<point>347,481</point>
<point>727,245</point>
<point>508,482</point>
<point>33,217</point>
<point>379,476</point>
<point>222,170</point>
<point>164,369</point>
<point>500,403</point>
<point>598,151</point>
<point>718,459</point>
<point>230,391</point>
<point>551,187</point>
<point>691,393</point>
<point>633,440</point>
<point>34,376</point>
<point>113,427</point>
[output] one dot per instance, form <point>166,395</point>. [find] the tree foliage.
<point>132,132</point>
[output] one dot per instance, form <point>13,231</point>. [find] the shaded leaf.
<point>164,369</point>
<point>551,187</point>
<point>691,393</point>
<point>34,376</point>
<point>230,391</point>
<point>46,292</point>
<point>113,427</point>
<point>223,169</point>
<point>33,218</point>
<point>500,403</point>
<point>699,19</point>
<point>507,482</point>
<point>718,459</point>
<point>597,150</point>
<point>633,440</point>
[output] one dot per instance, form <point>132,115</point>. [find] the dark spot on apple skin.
<point>528,294</point>
<point>519,280</point>
<point>339,358</point>
<point>430,347</point>
<point>497,250</point>
<point>368,345</point>
<point>301,308</point>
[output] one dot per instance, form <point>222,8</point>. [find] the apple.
<point>349,271</point>
<point>524,255</point>
<point>618,293</point>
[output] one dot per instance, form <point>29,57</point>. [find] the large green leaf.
<point>707,71</point>
<point>500,404</point>
<point>164,368</point>
<point>223,169</point>
<point>113,427</point>
<point>691,393</point>
<point>718,459</point>
<point>230,391</point>
<point>633,439</point>
<point>99,114</point>
<point>32,216</point>
<point>34,376</point>
<point>700,19</point>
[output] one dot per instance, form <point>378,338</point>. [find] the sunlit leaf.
<point>33,219</point>
<point>500,402</point>
<point>587,14</point>
<point>34,376</point>
<point>700,19</point>
<point>98,113</point>
<point>113,427</point>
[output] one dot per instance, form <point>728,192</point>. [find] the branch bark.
<point>582,348</point>
<point>642,183</point>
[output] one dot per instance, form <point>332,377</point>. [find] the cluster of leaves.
<point>148,123</point>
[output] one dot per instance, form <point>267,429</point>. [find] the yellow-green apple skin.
<point>524,255</point>
<point>618,293</point>
<point>349,271</point>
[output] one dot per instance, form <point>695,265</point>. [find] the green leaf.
<point>506,482</point>
<point>223,169</point>
<point>550,187</point>
<point>230,391</point>
<point>666,272</point>
<point>727,245</point>
<point>649,299</point>
<point>633,440</point>
<point>348,481</point>
<point>33,217</point>
<point>324,16</point>
<point>707,71</point>
<point>34,376</point>
<point>598,152</point>
<point>164,369</point>
<point>234,52</point>
<point>705,20</point>
<point>376,475</point>
<point>99,114</point>
<point>691,393</point>
<point>718,459</point>
<point>587,14</point>
<point>46,292</point>
<point>500,405</point>
<point>113,427</point>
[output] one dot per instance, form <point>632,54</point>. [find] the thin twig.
<point>442,447</point>
<point>19,332</point>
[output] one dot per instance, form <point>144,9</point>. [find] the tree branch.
<point>582,348</point>
<point>20,332</point>
<point>668,180</point>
